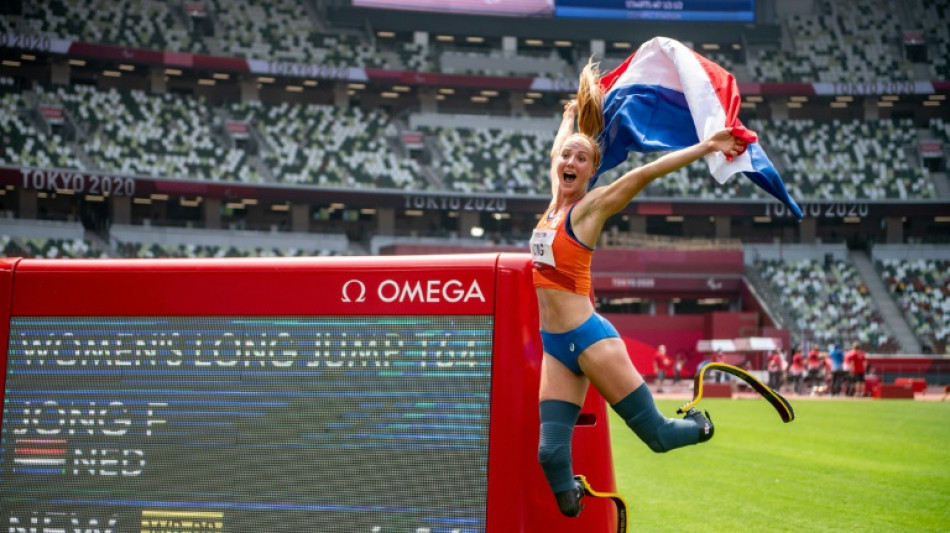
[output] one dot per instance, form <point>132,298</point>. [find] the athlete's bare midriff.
<point>562,311</point>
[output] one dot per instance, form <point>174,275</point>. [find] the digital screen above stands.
<point>508,8</point>
<point>686,10</point>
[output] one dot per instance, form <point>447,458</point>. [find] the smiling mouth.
<point>569,177</point>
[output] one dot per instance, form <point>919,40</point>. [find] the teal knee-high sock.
<point>554,449</point>
<point>661,434</point>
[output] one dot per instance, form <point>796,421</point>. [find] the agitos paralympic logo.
<point>419,291</point>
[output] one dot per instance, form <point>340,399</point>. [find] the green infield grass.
<point>845,465</point>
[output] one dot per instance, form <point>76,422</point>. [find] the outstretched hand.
<point>727,143</point>
<point>570,108</point>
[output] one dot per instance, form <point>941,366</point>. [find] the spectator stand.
<point>167,135</point>
<point>137,241</point>
<point>918,277</point>
<point>27,138</point>
<point>858,159</point>
<point>329,146</point>
<point>45,239</point>
<point>823,292</point>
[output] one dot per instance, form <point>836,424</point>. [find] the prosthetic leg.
<point>617,499</point>
<point>777,400</point>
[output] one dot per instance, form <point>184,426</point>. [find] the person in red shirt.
<point>661,365</point>
<point>856,361</point>
<point>813,365</point>
<point>774,366</point>
<point>796,371</point>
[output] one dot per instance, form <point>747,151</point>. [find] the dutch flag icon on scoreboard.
<point>39,456</point>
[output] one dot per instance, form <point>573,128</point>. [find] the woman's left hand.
<point>727,143</point>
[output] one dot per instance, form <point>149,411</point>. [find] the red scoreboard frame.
<point>517,498</point>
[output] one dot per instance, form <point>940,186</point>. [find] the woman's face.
<point>575,165</point>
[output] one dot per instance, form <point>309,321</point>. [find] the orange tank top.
<point>560,260</point>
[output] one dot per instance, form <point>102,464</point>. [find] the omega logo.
<point>429,291</point>
<point>361,288</point>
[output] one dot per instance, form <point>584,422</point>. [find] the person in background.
<point>774,367</point>
<point>678,365</point>
<point>661,364</point>
<point>836,356</point>
<point>719,375</point>
<point>580,346</point>
<point>813,365</point>
<point>796,371</point>
<point>856,360</point>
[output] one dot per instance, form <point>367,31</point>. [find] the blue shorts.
<point>567,346</point>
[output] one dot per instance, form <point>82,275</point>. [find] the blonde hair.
<point>590,101</point>
<point>596,154</point>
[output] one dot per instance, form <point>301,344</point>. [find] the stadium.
<point>214,175</point>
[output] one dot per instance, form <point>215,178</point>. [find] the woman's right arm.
<point>564,130</point>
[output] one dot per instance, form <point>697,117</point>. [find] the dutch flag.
<point>664,97</point>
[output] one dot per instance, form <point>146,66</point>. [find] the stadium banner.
<point>118,185</point>
<point>35,43</point>
<point>237,129</point>
<point>359,74</point>
<point>679,284</point>
<point>196,9</point>
<point>783,89</point>
<point>306,70</point>
<point>931,149</point>
<point>52,113</point>
<point>83,182</point>
<point>413,140</point>
<point>873,88</point>
<point>449,80</point>
<point>912,37</point>
<point>280,395</point>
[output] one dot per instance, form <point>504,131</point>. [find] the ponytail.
<point>590,101</point>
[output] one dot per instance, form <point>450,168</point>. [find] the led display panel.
<point>511,8</point>
<point>343,394</point>
<point>187,424</point>
<point>687,10</point>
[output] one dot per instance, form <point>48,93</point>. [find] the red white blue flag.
<point>665,96</point>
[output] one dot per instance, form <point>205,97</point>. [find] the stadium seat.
<point>163,135</point>
<point>831,302</point>
<point>922,289</point>
<point>47,248</point>
<point>492,160</point>
<point>840,41</point>
<point>25,142</point>
<point>141,24</point>
<point>329,146</point>
<point>847,159</point>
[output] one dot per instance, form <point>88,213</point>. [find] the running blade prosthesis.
<point>612,496</point>
<point>778,401</point>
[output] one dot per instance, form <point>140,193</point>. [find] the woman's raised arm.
<point>563,132</point>
<point>614,197</point>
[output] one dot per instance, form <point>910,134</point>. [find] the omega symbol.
<point>361,297</point>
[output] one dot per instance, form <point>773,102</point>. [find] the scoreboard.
<point>377,394</point>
